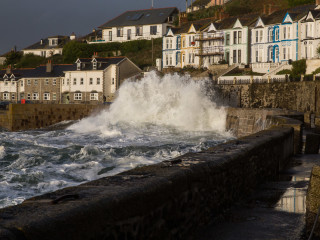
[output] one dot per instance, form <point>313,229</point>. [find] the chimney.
<point>49,66</point>
<point>265,9</point>
<point>72,36</point>
<point>317,2</point>
<point>8,70</point>
<point>41,41</point>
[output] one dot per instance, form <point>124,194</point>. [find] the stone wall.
<point>33,116</point>
<point>298,96</point>
<point>168,200</point>
<point>313,202</point>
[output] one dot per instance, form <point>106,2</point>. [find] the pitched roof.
<point>296,13</point>
<point>45,43</point>
<point>103,63</point>
<point>197,24</point>
<point>141,17</point>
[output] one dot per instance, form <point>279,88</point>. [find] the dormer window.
<point>78,66</point>
<point>94,64</point>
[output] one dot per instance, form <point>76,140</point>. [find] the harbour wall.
<point>168,200</point>
<point>298,96</point>
<point>32,116</point>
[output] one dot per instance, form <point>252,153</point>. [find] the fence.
<point>252,79</point>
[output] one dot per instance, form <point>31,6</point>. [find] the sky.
<point>24,23</point>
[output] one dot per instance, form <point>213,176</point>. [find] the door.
<point>129,34</point>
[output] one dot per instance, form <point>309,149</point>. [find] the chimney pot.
<point>49,66</point>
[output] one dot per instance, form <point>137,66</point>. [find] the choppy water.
<point>152,120</point>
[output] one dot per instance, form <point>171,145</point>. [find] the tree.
<point>299,67</point>
<point>30,61</point>
<point>13,58</point>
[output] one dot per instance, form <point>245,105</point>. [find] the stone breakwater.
<point>161,201</point>
<point>32,116</point>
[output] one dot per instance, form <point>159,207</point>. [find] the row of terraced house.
<point>263,41</point>
<point>89,80</point>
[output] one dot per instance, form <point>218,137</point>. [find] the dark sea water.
<point>152,120</point>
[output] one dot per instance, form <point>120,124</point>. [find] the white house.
<point>171,49</point>
<point>201,4</point>
<point>237,38</point>
<point>49,46</point>
<point>310,35</point>
<point>276,39</point>
<point>96,79</point>
<point>138,24</point>
<point>211,41</point>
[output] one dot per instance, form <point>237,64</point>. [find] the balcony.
<point>210,51</point>
<point>210,37</point>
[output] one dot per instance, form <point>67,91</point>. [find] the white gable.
<point>78,61</point>
<point>94,60</point>
<point>212,28</point>
<point>5,76</point>
<point>170,33</point>
<point>287,19</point>
<point>309,16</point>
<point>237,24</point>
<point>12,76</point>
<point>259,23</point>
<point>192,29</point>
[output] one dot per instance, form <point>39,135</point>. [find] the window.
<point>35,82</point>
<point>94,65</point>
<point>13,96</point>
<point>234,56</point>
<point>139,31</point>
<point>12,82</point>
<point>29,96</point>
<point>98,81</point>
<point>54,96</point>
<point>93,96</point>
<point>129,34</point>
<point>54,82</point>
<point>167,60</point>
<point>6,83</point>
<point>74,81</point>
<point>289,53</point>
<point>5,96</point>
<point>153,30</point>
<point>239,37</point>
<point>46,82</point>
<point>91,81</point>
<point>110,36</point>
<point>257,56</point>
<point>239,56</point>
<point>284,33</point>
<point>35,96</point>
<point>170,43</point>
<point>270,35</point>
<point>228,39</point>
<point>63,81</point>
<point>183,43</point>
<point>119,32</point>
<point>261,35</point>
<point>112,81</point>
<point>178,57</point>
<point>68,81</point>
<point>78,66</point>
<point>46,96</point>
<point>257,36</point>
<point>179,43</point>
<point>234,37</point>
<point>78,96</point>
<point>81,81</point>
<point>289,33</point>
<point>28,82</point>
<point>170,59</point>
<point>21,83</point>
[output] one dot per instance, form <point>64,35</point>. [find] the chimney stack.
<point>9,70</point>
<point>72,36</point>
<point>41,41</point>
<point>49,66</point>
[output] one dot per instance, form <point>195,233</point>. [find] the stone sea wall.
<point>162,201</point>
<point>33,116</point>
<point>298,96</point>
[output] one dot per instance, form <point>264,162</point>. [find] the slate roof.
<point>246,20</point>
<point>199,24</point>
<point>45,43</point>
<point>141,17</point>
<point>295,13</point>
<point>102,63</point>
<point>38,72</point>
<point>315,14</point>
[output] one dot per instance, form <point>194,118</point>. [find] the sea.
<point>151,120</point>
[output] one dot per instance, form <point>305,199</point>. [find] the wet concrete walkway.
<point>275,211</point>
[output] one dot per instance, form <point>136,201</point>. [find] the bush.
<point>293,3</point>
<point>299,67</point>
<point>285,71</point>
<point>316,71</point>
<point>30,60</point>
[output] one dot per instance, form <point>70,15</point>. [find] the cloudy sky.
<point>26,22</point>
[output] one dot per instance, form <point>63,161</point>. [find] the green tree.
<point>299,67</point>
<point>30,61</point>
<point>13,58</point>
<point>293,3</point>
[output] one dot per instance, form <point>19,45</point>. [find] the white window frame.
<point>46,96</point>
<point>54,81</point>
<point>90,81</point>
<point>74,81</point>
<point>54,96</point>
<point>94,97</point>
<point>6,96</point>
<point>77,96</point>
<point>35,96</point>
<point>46,82</point>
<point>81,81</point>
